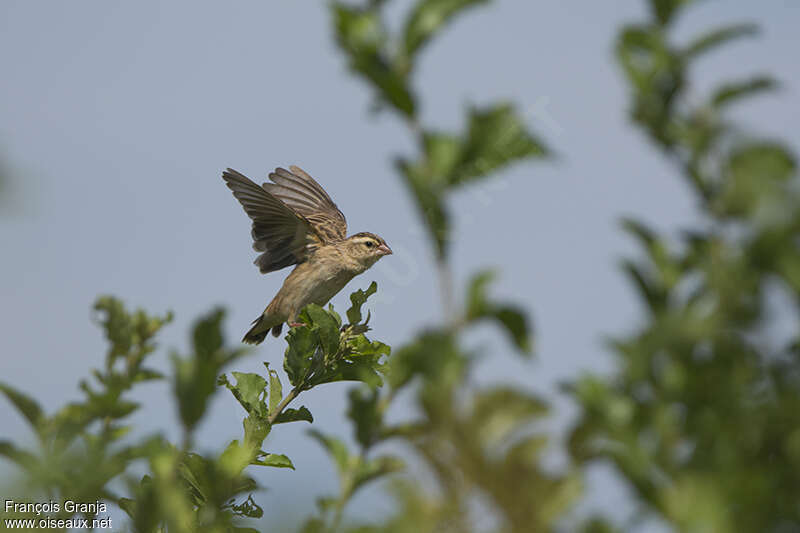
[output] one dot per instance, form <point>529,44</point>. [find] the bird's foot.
<point>296,324</point>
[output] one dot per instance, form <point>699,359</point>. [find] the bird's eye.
<point>369,244</point>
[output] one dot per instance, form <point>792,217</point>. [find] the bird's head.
<point>366,248</point>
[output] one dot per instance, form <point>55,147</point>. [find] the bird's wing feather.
<point>282,233</point>
<point>303,195</point>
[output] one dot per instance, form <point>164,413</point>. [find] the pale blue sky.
<point>117,119</point>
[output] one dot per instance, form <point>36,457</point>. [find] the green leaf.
<point>367,419</point>
<point>428,17</point>
<point>363,369</point>
<point>22,458</point>
<point>256,430</point>
<point>429,201</point>
<point>235,458</point>
<point>251,392</point>
<point>361,346</point>
<point>372,469</point>
<point>765,161</point>
<point>195,376</point>
<point>361,35</point>
<point>336,448</point>
<point>718,37</point>
<point>147,374</point>
<point>500,411</point>
<point>314,525</point>
<point>515,322</point>
<point>299,354</point>
<point>358,299</point>
<point>324,325</point>
<point>497,137</point>
<point>511,318</point>
<point>294,415</point>
<point>207,334</point>
<point>653,294</point>
<point>275,389</point>
<point>250,509</point>
<point>276,460</point>
<point>433,355</point>
<point>665,10</point>
<point>27,406</point>
<point>733,92</point>
<point>757,176</point>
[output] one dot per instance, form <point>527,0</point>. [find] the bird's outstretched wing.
<point>282,233</point>
<point>300,192</point>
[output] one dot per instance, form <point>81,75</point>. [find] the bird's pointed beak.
<point>384,249</point>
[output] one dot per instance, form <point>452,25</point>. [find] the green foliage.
<point>195,376</point>
<point>427,18</point>
<point>84,449</point>
<point>459,429</point>
<point>495,137</point>
<point>510,317</point>
<point>324,351</point>
<point>700,417</point>
<point>362,36</point>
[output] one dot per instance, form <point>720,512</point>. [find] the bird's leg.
<point>296,324</point>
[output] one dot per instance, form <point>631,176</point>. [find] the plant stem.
<point>281,406</point>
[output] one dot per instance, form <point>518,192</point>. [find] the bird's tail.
<point>261,326</point>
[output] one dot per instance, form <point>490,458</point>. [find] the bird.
<point>295,222</point>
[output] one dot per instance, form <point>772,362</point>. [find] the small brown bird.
<point>296,222</point>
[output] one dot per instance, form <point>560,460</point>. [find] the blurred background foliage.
<point>701,416</point>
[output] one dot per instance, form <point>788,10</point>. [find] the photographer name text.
<point>43,509</point>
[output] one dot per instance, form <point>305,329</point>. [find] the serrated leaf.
<point>324,325</point>
<point>496,137</point>
<point>294,415</point>
<point>361,346</point>
<point>249,391</point>
<point>299,354</point>
<point>357,299</point>
<point>276,460</point>
<point>250,509</point>
<point>364,370</point>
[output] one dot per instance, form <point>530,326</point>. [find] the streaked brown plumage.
<point>296,222</point>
